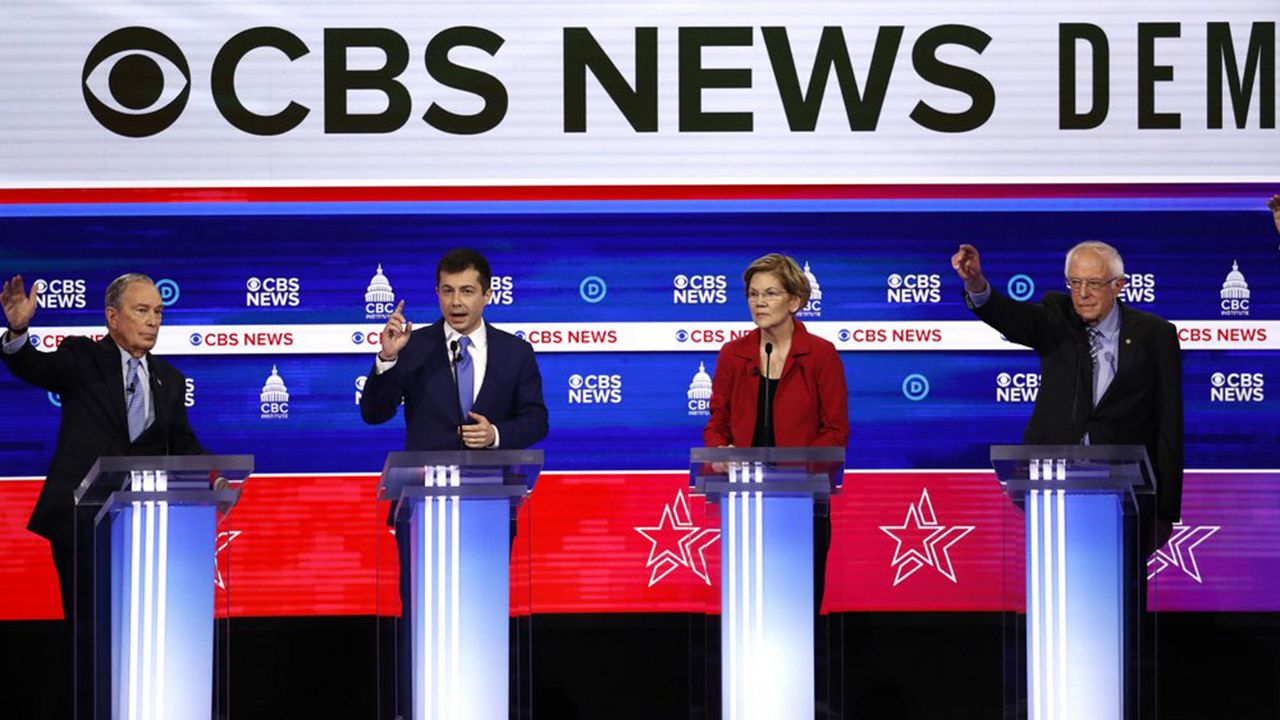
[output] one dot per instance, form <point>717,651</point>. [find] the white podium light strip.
<point>730,613</point>
<point>438,688</point>
<point>455,654</point>
<point>425,643</point>
<point>743,613</point>
<point>162,595</point>
<point>741,619</point>
<point>442,608</point>
<point>1062,595</point>
<point>1047,610</point>
<point>762,677</point>
<point>148,536</point>
<point>1035,680</point>
<point>135,600</point>
<point>1049,684</point>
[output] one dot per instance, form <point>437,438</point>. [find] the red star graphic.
<point>913,534</point>
<point>921,529</point>
<point>668,539</point>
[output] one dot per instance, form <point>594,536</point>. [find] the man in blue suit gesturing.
<point>494,401</point>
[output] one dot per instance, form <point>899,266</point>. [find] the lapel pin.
<point>1126,341</point>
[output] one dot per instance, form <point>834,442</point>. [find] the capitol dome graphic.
<point>379,290</point>
<point>1235,287</point>
<point>700,388</point>
<point>274,391</point>
<point>815,291</point>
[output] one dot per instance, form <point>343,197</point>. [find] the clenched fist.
<point>968,266</point>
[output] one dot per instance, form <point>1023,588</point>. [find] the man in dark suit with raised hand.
<point>1110,374</point>
<point>495,400</point>
<point>117,399</point>
<point>465,385</point>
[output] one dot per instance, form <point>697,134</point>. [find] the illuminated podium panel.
<point>458,653</point>
<point>153,553</point>
<point>1076,656</point>
<point>769,660</point>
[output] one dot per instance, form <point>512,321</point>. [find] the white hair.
<point>115,291</point>
<point>1108,253</point>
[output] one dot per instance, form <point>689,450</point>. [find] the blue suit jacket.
<point>511,396</point>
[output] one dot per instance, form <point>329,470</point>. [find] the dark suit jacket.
<point>1142,405</point>
<point>89,378</point>
<point>511,396</point>
<point>811,404</point>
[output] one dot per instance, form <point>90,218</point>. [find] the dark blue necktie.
<point>466,376</point>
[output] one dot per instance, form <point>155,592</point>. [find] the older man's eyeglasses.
<point>1094,284</point>
<point>770,296</point>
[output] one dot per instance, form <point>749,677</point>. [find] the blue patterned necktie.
<point>466,376</point>
<point>1102,370</point>
<point>136,406</point>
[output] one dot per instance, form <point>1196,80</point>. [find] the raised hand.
<point>19,307</point>
<point>396,334</point>
<point>968,266</point>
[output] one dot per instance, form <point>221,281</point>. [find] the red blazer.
<point>811,406</point>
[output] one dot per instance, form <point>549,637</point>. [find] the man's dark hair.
<point>461,259</point>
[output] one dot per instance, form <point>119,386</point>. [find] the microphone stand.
<point>768,412</point>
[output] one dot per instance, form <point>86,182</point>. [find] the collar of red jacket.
<point>748,346</point>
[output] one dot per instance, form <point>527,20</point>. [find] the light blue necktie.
<point>136,406</point>
<point>466,377</point>
<point>1103,370</point>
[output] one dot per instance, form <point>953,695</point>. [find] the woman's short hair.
<point>793,278</point>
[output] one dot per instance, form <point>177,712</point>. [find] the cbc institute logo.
<point>274,398</point>
<point>1234,297</point>
<point>812,309</point>
<point>699,393</point>
<point>379,298</point>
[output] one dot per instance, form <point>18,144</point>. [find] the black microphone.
<point>455,357</point>
<point>768,413</point>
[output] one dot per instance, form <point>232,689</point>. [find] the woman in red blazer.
<point>805,392</point>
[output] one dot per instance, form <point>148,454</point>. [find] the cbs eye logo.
<point>136,82</point>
